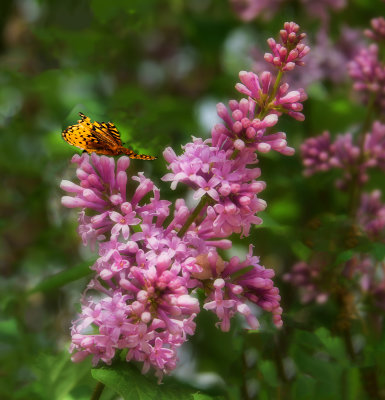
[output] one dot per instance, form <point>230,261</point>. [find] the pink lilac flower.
<point>230,295</point>
<point>247,10</point>
<point>151,262</point>
<point>320,8</point>
<point>144,283</point>
<point>308,278</point>
<point>374,146</point>
<point>259,91</point>
<point>320,154</point>
<point>244,128</point>
<point>146,278</point>
<point>377,32</point>
<point>347,156</point>
<point>316,153</point>
<point>312,278</point>
<point>371,215</point>
<point>369,275</point>
<point>328,60</point>
<point>368,74</point>
<point>227,181</point>
<point>287,55</point>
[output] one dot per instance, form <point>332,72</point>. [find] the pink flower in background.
<point>377,32</point>
<point>320,9</point>
<point>316,153</point>
<point>374,146</point>
<point>371,215</point>
<point>307,276</point>
<point>328,60</point>
<point>247,10</point>
<point>320,154</point>
<point>368,75</point>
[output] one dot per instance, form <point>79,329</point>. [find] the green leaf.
<point>353,386</point>
<point>126,380</point>
<point>307,339</point>
<point>333,345</point>
<point>378,250</point>
<point>269,373</point>
<point>344,256</point>
<point>300,250</point>
<point>240,272</point>
<point>62,278</point>
<point>303,388</point>
<point>55,377</point>
<point>200,396</point>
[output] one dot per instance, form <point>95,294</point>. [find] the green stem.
<point>97,391</point>
<point>193,216</point>
<point>235,153</point>
<point>271,97</point>
<point>276,85</point>
<point>355,189</point>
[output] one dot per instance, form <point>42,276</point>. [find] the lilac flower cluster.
<point>366,69</point>
<point>146,273</point>
<point>329,59</point>
<point>371,215</point>
<point>151,261</point>
<point>377,32</point>
<point>354,156</point>
<point>320,154</point>
<point>307,276</point>
<point>313,278</point>
<point>269,99</point>
<point>247,10</point>
<point>288,54</point>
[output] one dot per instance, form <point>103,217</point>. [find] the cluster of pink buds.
<point>377,32</point>
<point>287,55</point>
<point>320,154</point>
<point>366,69</point>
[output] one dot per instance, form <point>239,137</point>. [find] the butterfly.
<point>98,137</point>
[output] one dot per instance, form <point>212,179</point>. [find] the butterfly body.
<point>98,137</point>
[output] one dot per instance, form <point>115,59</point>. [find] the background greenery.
<point>156,69</point>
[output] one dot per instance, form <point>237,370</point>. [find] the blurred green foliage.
<point>156,69</point>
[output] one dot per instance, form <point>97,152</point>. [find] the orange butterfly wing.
<point>99,137</point>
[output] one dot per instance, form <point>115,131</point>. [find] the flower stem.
<point>193,215</point>
<point>97,391</point>
<point>267,105</point>
<point>276,84</point>
<point>235,153</point>
<point>355,190</point>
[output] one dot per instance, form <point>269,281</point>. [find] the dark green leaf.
<point>62,278</point>
<point>378,250</point>
<point>132,385</point>
<point>269,372</point>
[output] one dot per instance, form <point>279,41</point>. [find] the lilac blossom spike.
<point>316,153</point>
<point>368,75</point>
<point>150,261</point>
<point>371,215</point>
<point>377,32</point>
<point>320,154</point>
<point>287,55</point>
